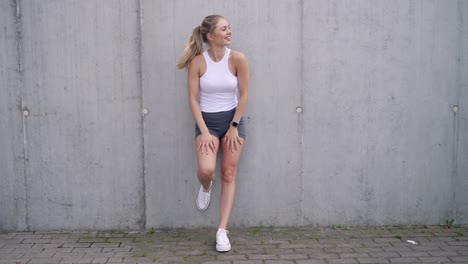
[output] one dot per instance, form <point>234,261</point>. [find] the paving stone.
<point>369,249</point>
<point>339,250</point>
<point>38,255</point>
<point>228,256</point>
<point>354,255</point>
<point>27,250</point>
<point>373,260</point>
<point>92,240</point>
<point>119,249</point>
<point>262,256</point>
<point>17,245</point>
<point>293,256</point>
<point>460,259</point>
<point>384,254</point>
<point>43,246</point>
<point>87,250</point>
<point>249,251</point>
<point>74,245</point>
<point>454,248</point>
<point>115,260</point>
<point>10,255</point>
<point>427,249</point>
<point>98,255</point>
<point>324,256</point>
<point>244,262</point>
<point>100,260</point>
<point>36,241</point>
<point>404,260</point>
<point>442,253</point>
<point>105,245</point>
<point>28,236</point>
<point>389,240</point>
<point>342,261</point>
<point>58,250</point>
<point>56,235</point>
<point>311,261</point>
<point>76,260</point>
<point>414,254</point>
<point>45,261</point>
<point>6,250</point>
<point>279,250</point>
<point>75,255</point>
<point>434,259</point>
<point>397,249</point>
<point>294,246</point>
<point>13,261</point>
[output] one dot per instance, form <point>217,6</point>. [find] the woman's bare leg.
<point>230,161</point>
<point>206,163</point>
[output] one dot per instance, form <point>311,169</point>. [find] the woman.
<point>218,83</point>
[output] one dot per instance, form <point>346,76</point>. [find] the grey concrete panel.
<point>269,176</point>
<point>12,191</point>
<point>379,129</point>
<point>461,169</point>
<point>168,126</point>
<point>170,160</point>
<point>84,129</point>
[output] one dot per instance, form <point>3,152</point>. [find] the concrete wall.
<point>377,142</point>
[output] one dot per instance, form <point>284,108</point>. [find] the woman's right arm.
<point>206,142</point>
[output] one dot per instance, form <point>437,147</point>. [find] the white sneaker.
<point>222,241</point>
<point>203,198</point>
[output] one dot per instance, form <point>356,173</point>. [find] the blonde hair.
<point>194,44</point>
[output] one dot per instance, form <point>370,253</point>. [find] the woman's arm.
<point>193,94</point>
<point>242,69</point>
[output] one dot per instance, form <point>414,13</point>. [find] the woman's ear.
<point>209,36</point>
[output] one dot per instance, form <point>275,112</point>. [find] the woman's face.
<point>222,33</point>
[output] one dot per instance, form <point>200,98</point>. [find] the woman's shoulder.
<point>238,56</point>
<point>197,61</point>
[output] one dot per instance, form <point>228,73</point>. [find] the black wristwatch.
<point>234,124</point>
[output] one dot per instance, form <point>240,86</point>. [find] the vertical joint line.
<point>456,117</point>
<point>301,115</point>
<point>19,52</point>
<point>139,29</point>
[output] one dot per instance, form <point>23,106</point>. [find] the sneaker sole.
<point>223,249</point>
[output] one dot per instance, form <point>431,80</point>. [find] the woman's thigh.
<point>206,159</point>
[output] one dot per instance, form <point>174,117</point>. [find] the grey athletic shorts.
<point>218,124</point>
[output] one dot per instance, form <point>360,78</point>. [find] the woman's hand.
<point>207,143</point>
<point>232,139</point>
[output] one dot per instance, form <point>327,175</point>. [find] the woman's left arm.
<point>242,70</point>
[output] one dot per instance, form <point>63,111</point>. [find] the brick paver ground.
<point>333,245</point>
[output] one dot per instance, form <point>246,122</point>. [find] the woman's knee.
<point>228,174</point>
<point>206,173</point>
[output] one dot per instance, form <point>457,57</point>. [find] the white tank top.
<point>218,86</point>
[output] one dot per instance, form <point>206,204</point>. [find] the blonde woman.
<point>218,84</point>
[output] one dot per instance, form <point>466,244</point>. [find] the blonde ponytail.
<point>194,44</point>
<point>193,47</point>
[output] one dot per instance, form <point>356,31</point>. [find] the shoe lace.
<point>224,235</point>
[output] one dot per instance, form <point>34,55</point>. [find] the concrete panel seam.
<point>301,117</point>
<point>139,24</point>
<point>456,116</point>
<point>19,47</point>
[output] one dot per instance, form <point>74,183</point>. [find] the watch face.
<point>234,124</point>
